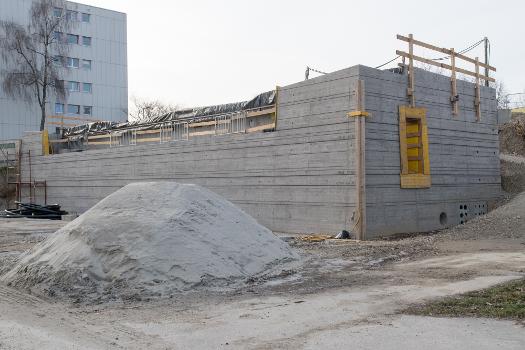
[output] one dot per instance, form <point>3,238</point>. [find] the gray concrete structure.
<point>301,178</point>
<point>98,65</point>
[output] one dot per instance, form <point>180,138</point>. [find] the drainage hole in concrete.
<point>443,218</point>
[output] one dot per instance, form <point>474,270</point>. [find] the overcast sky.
<point>194,53</point>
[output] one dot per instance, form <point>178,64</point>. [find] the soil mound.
<point>512,136</point>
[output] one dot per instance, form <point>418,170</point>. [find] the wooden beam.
<point>454,98</point>
<point>261,127</point>
<point>149,139</point>
<point>96,143</point>
<point>445,51</point>
<point>359,130</point>
<point>477,101</point>
<point>411,79</point>
<point>442,65</point>
<point>259,113</point>
<point>95,137</point>
<point>202,133</point>
<point>148,132</point>
<point>413,134</point>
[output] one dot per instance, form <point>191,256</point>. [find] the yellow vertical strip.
<point>424,142</point>
<point>45,143</point>
<point>403,140</point>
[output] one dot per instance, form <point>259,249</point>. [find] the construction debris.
<point>151,240</point>
<point>35,211</point>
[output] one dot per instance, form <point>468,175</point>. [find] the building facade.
<point>95,71</point>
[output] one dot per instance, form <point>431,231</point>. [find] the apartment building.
<point>94,71</point>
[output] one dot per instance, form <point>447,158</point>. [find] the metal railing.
<point>174,131</point>
<point>231,123</point>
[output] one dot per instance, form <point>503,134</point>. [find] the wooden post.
<point>477,101</point>
<point>19,175</point>
<point>276,114</point>
<point>360,163</point>
<point>455,97</point>
<point>411,80</point>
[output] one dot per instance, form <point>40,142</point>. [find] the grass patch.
<point>504,301</point>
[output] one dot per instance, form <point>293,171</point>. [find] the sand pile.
<point>151,239</point>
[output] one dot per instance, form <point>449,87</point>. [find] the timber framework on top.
<point>377,152</point>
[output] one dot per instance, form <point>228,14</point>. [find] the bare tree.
<point>30,53</point>
<point>144,110</point>
<point>502,96</point>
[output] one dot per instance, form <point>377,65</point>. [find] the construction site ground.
<point>342,293</point>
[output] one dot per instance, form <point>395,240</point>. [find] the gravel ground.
<point>342,292</point>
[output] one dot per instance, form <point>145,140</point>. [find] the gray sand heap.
<point>151,239</point>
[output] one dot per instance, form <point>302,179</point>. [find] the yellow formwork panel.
<point>413,147</point>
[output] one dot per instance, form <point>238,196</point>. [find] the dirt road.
<point>343,293</point>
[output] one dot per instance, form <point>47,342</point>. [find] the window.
<point>73,86</point>
<point>59,84</point>
<point>88,110</point>
<point>413,148</point>
<point>86,64</point>
<point>57,11</point>
<point>59,108</point>
<point>57,36</point>
<point>73,109</point>
<point>87,87</point>
<point>73,62</point>
<point>86,41</point>
<point>86,17</point>
<point>72,39</point>
<point>58,61</point>
<point>71,15</point>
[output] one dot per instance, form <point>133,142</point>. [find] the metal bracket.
<point>358,114</point>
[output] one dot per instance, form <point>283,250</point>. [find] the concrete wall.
<point>464,154</point>
<point>297,179</point>
<point>300,178</point>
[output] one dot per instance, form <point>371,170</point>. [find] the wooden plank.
<point>360,133</point>
<point>445,51</point>
<point>98,137</point>
<point>59,141</point>
<point>148,132</point>
<point>261,127</point>
<point>259,113</point>
<point>196,125</point>
<point>277,88</point>
<point>149,139</point>
<point>478,99</point>
<point>454,98</point>
<point>96,143</point>
<point>202,133</point>
<point>411,79</point>
<point>415,181</point>
<point>403,139</point>
<point>413,134</point>
<point>414,145</point>
<point>443,65</point>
